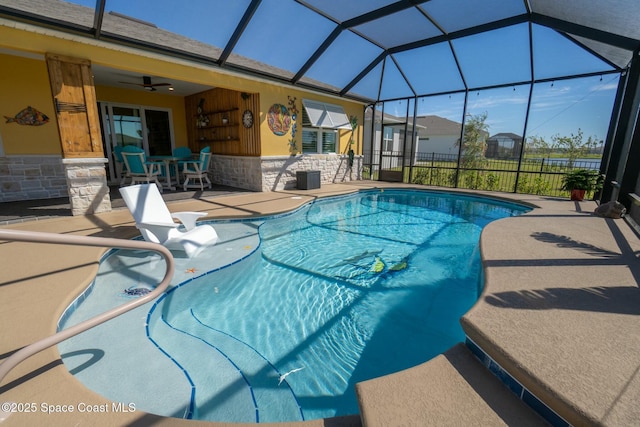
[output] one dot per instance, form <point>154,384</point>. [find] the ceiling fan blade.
<point>147,84</point>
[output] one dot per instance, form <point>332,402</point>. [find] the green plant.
<point>492,181</point>
<point>421,176</point>
<point>474,141</point>
<point>581,179</point>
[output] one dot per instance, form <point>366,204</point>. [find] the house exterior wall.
<point>440,144</point>
<point>31,177</point>
<point>275,145</point>
<point>274,173</point>
<point>24,82</point>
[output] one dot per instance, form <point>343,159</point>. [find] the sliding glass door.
<point>148,128</point>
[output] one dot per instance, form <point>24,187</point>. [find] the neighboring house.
<point>437,136</point>
<point>433,135</point>
<point>392,138</point>
<point>504,145</point>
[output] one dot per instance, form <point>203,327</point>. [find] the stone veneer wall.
<point>87,185</point>
<point>31,178</point>
<point>236,171</point>
<point>279,172</point>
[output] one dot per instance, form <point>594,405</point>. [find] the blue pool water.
<point>282,318</point>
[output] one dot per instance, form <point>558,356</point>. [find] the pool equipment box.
<point>308,180</point>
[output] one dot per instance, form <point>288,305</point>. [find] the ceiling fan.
<point>147,85</point>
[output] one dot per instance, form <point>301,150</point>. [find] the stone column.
<point>87,185</point>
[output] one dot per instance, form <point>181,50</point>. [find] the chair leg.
<point>158,184</point>
<point>186,181</point>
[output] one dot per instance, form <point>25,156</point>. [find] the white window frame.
<point>319,133</point>
<point>388,143</point>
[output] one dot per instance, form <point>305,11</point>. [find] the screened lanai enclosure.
<point>501,95</point>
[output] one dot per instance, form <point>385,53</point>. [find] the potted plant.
<point>579,181</point>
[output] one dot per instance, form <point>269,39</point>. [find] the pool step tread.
<point>450,390</point>
<point>274,400</point>
<point>253,373</point>
<point>213,368</point>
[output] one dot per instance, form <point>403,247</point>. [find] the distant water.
<point>578,163</point>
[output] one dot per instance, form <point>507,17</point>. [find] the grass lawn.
<point>536,177</point>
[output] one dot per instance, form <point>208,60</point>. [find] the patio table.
<point>168,162</point>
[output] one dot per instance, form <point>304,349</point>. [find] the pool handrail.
<point>40,237</point>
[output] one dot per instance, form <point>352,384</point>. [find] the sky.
<point>285,34</point>
<point>557,108</point>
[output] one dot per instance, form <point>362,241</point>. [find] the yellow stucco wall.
<point>273,145</point>
<point>27,83</point>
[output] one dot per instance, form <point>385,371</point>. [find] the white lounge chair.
<point>156,224</point>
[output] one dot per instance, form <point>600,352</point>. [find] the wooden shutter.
<point>76,108</point>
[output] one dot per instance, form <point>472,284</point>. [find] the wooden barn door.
<point>76,107</point>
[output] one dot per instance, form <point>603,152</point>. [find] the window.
<point>316,140</point>
<point>309,141</point>
<point>320,122</point>
<point>387,139</point>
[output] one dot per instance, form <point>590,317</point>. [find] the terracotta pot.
<point>577,195</point>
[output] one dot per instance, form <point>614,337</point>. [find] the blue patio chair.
<point>121,168</point>
<point>139,168</point>
<point>183,152</point>
<point>197,169</point>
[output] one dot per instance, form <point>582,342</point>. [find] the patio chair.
<point>121,168</point>
<point>184,152</point>
<point>138,168</point>
<point>156,224</point>
<point>197,169</point>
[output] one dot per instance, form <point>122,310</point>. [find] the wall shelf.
<point>221,126</point>
<point>203,141</point>
<point>205,111</point>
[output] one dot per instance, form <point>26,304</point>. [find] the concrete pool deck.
<point>559,313</point>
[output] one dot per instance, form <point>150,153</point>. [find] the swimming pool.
<point>285,315</point>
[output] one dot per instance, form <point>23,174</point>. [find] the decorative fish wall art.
<point>29,117</point>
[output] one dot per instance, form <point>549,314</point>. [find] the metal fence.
<point>541,176</point>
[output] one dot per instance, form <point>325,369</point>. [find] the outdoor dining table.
<point>169,161</point>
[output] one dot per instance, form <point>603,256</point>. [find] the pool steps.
<point>249,378</point>
<point>454,388</point>
<point>516,387</point>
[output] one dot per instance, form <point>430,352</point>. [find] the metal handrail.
<point>39,237</point>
